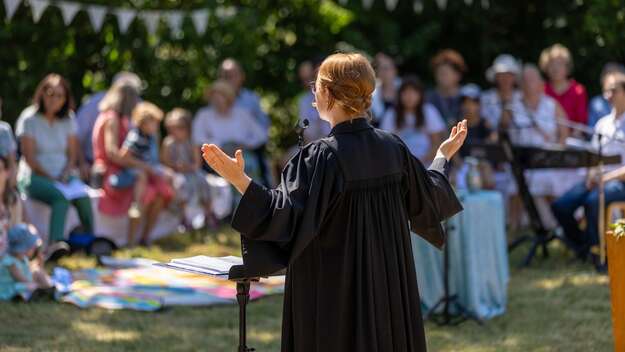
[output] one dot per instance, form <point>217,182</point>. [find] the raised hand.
<point>456,138</point>
<point>232,169</point>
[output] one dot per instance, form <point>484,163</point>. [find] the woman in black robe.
<point>340,222</point>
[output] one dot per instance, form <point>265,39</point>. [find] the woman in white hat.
<point>504,96</point>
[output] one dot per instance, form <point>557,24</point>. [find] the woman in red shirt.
<point>556,62</point>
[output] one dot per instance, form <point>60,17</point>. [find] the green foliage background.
<point>270,37</point>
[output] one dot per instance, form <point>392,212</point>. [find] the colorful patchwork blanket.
<point>150,288</point>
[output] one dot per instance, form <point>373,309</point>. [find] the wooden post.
<point>616,268</point>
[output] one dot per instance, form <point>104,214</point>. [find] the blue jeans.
<point>565,206</point>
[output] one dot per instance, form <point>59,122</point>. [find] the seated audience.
<point>504,97</point>
<point>385,93</point>
<point>109,133</point>
<point>88,112</point>
<point>8,147</point>
<point>478,130</point>
<point>48,144</point>
<point>317,127</point>
<point>598,107</point>
<point>19,276</point>
<point>181,155</point>
<point>586,194</point>
<point>229,126</point>
<point>232,72</point>
<point>556,62</point>
<point>416,122</point>
<point>448,67</point>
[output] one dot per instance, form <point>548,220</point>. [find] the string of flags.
<point>124,16</point>
<point>173,18</point>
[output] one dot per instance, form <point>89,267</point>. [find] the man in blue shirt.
<point>231,71</point>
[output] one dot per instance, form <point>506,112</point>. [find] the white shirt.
<point>237,127</point>
<point>417,139</point>
<point>524,130</point>
<point>612,131</point>
<point>491,106</point>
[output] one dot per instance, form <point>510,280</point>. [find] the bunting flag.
<point>68,11</point>
<point>485,4</point>
<point>200,21</point>
<point>38,7</point>
<point>96,16</point>
<point>10,6</point>
<point>391,4</point>
<point>418,6</point>
<point>367,4</point>
<point>225,12</point>
<point>468,2</point>
<point>174,20</point>
<point>124,18</point>
<point>442,4</point>
<point>150,19</point>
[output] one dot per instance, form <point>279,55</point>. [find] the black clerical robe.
<point>340,223</point>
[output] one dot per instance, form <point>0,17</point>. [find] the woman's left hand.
<point>456,138</point>
<point>232,169</point>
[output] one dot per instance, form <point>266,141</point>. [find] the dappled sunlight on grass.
<point>103,333</point>
<point>553,306</point>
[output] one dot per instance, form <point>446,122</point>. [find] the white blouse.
<point>417,139</point>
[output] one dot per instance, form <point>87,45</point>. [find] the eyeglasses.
<point>313,87</point>
<point>51,93</point>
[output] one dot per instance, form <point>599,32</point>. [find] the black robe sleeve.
<point>430,198</point>
<point>277,224</point>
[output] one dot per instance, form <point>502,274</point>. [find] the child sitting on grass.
<point>141,143</point>
<point>19,276</point>
<point>180,155</point>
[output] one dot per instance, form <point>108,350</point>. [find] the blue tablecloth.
<point>478,258</point>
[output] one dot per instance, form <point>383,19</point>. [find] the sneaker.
<point>56,251</point>
<point>134,212</point>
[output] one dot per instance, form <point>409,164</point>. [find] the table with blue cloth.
<point>478,258</point>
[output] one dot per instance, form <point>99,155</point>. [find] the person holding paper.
<point>340,222</point>
<point>48,143</point>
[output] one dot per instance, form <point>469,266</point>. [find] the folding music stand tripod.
<point>541,237</point>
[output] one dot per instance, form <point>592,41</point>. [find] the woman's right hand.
<point>232,169</point>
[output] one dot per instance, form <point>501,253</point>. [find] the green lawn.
<point>553,306</point>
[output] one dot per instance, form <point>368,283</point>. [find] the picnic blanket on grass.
<point>149,288</point>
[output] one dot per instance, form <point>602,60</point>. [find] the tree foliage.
<point>270,37</point>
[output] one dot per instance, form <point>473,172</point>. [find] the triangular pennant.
<point>225,12</point>
<point>174,20</point>
<point>10,6</point>
<point>468,2</point>
<point>391,4</point>
<point>150,19</point>
<point>485,4</point>
<point>68,11</point>
<point>124,18</point>
<point>442,4</point>
<point>418,6</point>
<point>367,4</point>
<point>37,7</point>
<point>200,21</point>
<point>96,16</point>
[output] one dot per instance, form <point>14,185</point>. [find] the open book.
<point>216,266</point>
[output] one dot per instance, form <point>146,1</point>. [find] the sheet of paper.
<point>220,265</point>
<point>74,189</point>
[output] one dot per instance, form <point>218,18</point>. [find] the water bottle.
<point>474,178</point>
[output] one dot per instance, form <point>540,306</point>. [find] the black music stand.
<point>447,300</point>
<point>541,237</point>
<point>239,275</point>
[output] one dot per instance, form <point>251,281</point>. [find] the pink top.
<point>115,201</point>
<point>573,101</point>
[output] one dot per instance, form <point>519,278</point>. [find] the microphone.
<point>300,128</point>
